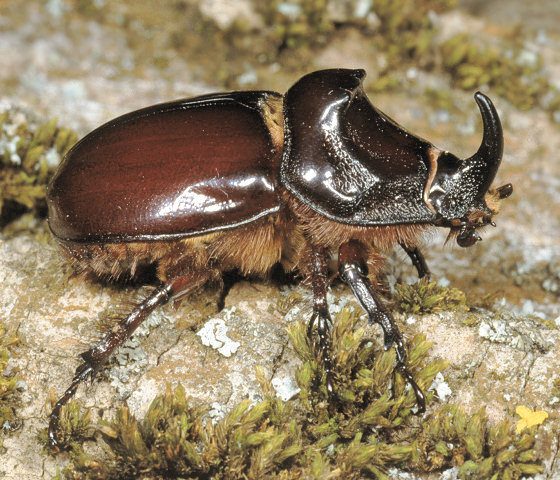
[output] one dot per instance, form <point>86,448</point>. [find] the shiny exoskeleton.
<point>249,180</point>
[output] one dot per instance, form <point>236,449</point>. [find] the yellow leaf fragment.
<point>529,418</point>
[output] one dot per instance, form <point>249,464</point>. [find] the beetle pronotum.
<point>249,180</point>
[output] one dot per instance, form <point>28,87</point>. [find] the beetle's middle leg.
<point>97,356</point>
<point>353,270</point>
<point>417,259</point>
<point>319,277</point>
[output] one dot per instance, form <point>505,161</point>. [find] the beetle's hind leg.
<point>353,270</point>
<point>97,356</point>
<point>417,259</point>
<point>319,278</point>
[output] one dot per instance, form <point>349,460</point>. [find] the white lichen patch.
<point>131,352</point>
<point>243,386</point>
<point>338,302</point>
<point>142,397</point>
<point>495,331</point>
<point>396,474</point>
<point>52,157</point>
<point>285,387</point>
<point>450,474</point>
<point>294,314</point>
<point>441,387</point>
<point>410,320</point>
<point>8,149</point>
<point>522,333</point>
<point>217,412</point>
<point>214,334</point>
<point>131,359</point>
<point>225,13</point>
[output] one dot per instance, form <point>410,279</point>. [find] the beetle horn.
<point>489,154</point>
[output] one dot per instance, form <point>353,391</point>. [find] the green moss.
<point>406,29</point>
<point>402,35</point>
<point>406,37</point>
<point>472,63</point>
<point>75,427</point>
<point>292,25</point>
<point>428,297</point>
<point>471,320</point>
<point>289,33</point>
<point>361,375</point>
<point>368,429</point>
<point>9,396</point>
<point>29,153</point>
<point>92,9</point>
<point>175,440</point>
<point>451,437</point>
<point>440,99</point>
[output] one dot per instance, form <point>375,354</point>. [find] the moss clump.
<point>361,377</point>
<point>29,153</point>
<point>427,296</point>
<point>405,38</point>
<point>296,24</point>
<point>9,397</point>
<point>290,33</point>
<point>369,429</point>
<point>450,437</point>
<point>373,402</point>
<point>406,31</point>
<point>511,72</point>
<point>176,440</point>
<point>75,427</point>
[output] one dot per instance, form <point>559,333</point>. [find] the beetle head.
<point>461,192</point>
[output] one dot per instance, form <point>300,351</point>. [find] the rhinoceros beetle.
<point>249,180</point>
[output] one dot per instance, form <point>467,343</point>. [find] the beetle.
<point>249,180</point>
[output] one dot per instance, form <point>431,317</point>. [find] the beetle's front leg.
<point>353,270</point>
<point>417,259</point>
<point>97,356</point>
<point>319,277</point>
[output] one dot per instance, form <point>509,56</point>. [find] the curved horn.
<point>489,154</point>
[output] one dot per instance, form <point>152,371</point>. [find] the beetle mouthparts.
<point>468,237</point>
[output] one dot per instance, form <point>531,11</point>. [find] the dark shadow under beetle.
<point>248,181</point>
